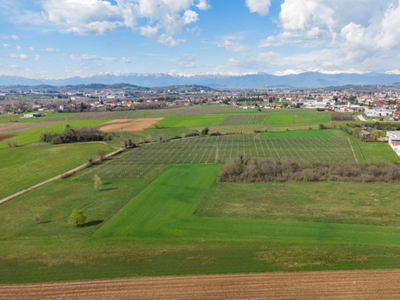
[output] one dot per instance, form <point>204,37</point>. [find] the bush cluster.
<point>271,170</point>
<point>77,135</point>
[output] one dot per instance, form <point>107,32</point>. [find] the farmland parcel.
<point>161,211</point>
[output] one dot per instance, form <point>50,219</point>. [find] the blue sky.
<point>66,38</point>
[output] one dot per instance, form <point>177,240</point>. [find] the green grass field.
<point>48,117</point>
<point>25,167</point>
<point>325,202</point>
<point>33,135</point>
<point>160,211</point>
<point>378,152</point>
<point>156,232</point>
<point>280,119</point>
<point>191,121</point>
<point>296,134</point>
<point>54,203</point>
<point>314,117</point>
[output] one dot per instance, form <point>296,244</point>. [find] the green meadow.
<point>23,167</point>
<point>280,119</point>
<point>160,210</point>
<point>192,121</point>
<point>49,116</point>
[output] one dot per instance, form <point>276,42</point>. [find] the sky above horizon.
<point>66,38</point>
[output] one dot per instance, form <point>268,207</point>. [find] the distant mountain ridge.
<point>261,80</point>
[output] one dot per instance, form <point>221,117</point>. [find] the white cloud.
<point>203,5</point>
<point>259,6</point>
<point>149,31</point>
<point>14,37</point>
<point>81,57</point>
<point>233,43</point>
<point>37,57</point>
<point>366,40</point>
<point>52,50</point>
<point>124,60</point>
<point>18,47</point>
<point>190,16</point>
<point>146,16</point>
<point>395,72</point>
<point>31,49</point>
<point>7,46</point>
<point>19,56</point>
<point>169,41</point>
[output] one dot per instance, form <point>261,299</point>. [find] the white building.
<point>378,112</point>
<point>394,140</point>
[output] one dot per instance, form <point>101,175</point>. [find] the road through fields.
<point>379,284</point>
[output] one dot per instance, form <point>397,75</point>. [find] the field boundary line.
<point>352,149</point>
<point>68,173</point>
<point>362,154</point>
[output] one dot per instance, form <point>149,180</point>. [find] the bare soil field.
<point>10,128</point>
<point>381,284</point>
<point>6,136</point>
<point>125,125</point>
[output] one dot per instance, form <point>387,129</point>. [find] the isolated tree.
<point>205,131</point>
<point>101,153</point>
<point>77,218</point>
<point>97,182</point>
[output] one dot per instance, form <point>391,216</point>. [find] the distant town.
<point>381,105</point>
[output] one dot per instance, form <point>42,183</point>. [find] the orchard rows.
<point>145,160</point>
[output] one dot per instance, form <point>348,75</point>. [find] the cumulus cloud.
<point>147,17</point>
<point>14,37</point>
<point>31,49</point>
<point>362,40</point>
<point>149,31</point>
<point>233,43</point>
<point>19,56</point>
<point>7,46</point>
<point>37,57</point>
<point>169,41</point>
<point>259,6</point>
<point>51,50</point>
<point>81,57</point>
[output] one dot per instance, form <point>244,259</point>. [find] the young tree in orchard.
<point>77,218</point>
<point>97,182</point>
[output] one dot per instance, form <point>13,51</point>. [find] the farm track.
<point>378,284</point>
<point>68,173</point>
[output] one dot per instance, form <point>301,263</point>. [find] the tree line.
<point>77,135</point>
<point>240,169</point>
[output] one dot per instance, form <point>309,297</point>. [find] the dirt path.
<point>70,172</point>
<point>382,284</point>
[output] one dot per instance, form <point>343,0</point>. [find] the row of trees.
<point>241,169</point>
<point>77,135</point>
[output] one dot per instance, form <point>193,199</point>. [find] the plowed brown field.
<point>382,284</point>
<point>124,125</point>
<point>7,136</point>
